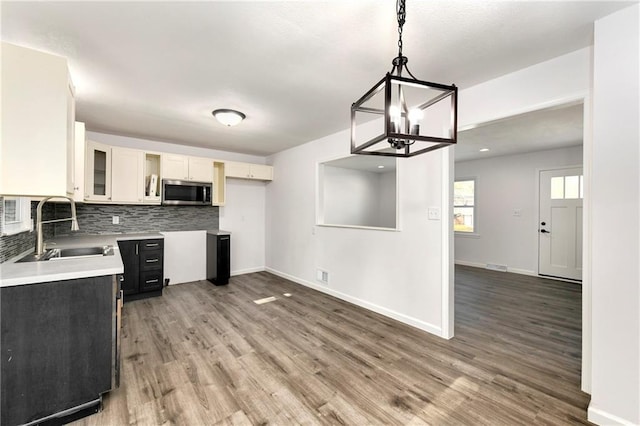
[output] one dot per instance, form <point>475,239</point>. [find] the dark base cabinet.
<point>218,258</point>
<point>59,349</point>
<point>143,268</point>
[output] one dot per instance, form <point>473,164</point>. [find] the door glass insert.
<point>557,188</point>
<point>567,187</point>
<point>572,187</point>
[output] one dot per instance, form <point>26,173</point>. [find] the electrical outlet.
<point>434,213</point>
<point>115,220</point>
<point>517,212</point>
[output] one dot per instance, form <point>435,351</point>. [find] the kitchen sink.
<point>69,253</point>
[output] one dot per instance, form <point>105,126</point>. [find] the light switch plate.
<point>434,213</point>
<point>115,220</point>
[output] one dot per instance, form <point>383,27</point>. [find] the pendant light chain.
<point>402,14</point>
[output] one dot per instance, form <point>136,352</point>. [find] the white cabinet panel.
<point>237,170</point>
<point>71,142</point>
<point>185,256</point>
<point>79,146</point>
<point>127,175</point>
<point>36,114</point>
<point>200,169</point>
<point>261,172</point>
<point>175,167</point>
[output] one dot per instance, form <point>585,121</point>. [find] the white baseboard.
<point>405,319</point>
<point>247,271</point>
<point>600,417</point>
<point>483,266</point>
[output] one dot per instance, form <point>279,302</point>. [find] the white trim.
<point>600,417</point>
<point>587,161</point>
<point>422,325</point>
<point>509,269</point>
<point>448,281</point>
<point>247,271</point>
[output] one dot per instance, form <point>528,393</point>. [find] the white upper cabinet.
<point>187,168</point>
<point>127,175</point>
<point>248,171</point>
<point>175,167</point>
<point>200,169</point>
<point>37,123</point>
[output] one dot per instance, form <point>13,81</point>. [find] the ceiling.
<point>544,129</point>
<point>156,70</point>
<point>365,163</point>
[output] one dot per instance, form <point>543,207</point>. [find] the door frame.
<point>586,99</point>
<point>537,204</point>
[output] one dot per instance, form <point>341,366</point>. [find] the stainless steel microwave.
<point>183,192</point>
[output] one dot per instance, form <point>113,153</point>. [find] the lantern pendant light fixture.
<point>417,116</point>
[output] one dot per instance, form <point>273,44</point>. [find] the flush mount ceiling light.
<point>415,116</point>
<point>228,117</point>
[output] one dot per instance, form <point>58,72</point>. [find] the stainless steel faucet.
<point>40,222</point>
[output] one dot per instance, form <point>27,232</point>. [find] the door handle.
<point>544,231</point>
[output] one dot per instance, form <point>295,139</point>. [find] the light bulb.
<point>415,115</point>
<point>394,115</point>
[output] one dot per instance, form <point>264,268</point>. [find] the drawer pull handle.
<point>151,260</point>
<point>151,281</point>
<point>153,245</point>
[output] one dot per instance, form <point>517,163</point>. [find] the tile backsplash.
<point>98,218</point>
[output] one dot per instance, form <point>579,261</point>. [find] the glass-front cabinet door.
<point>98,172</point>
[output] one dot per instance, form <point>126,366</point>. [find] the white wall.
<point>244,210</point>
<point>616,196</point>
<point>504,184</point>
<point>395,273</point>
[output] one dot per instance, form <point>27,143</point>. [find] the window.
<point>16,215</point>
<point>464,207</point>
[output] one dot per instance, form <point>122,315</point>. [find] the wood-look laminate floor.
<point>207,355</point>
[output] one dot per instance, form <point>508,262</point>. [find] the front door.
<point>560,226</point>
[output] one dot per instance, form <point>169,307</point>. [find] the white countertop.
<point>12,274</point>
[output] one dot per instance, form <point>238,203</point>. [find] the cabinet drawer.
<point>151,259</point>
<point>146,245</point>
<point>151,280</point>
